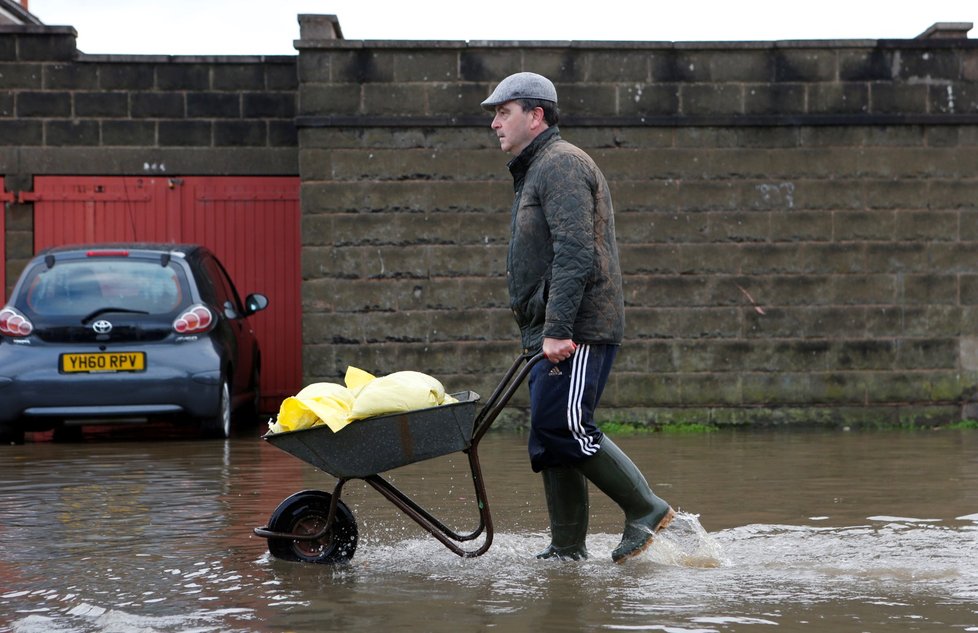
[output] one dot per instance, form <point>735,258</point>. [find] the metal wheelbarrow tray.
<point>382,443</point>
<point>317,527</point>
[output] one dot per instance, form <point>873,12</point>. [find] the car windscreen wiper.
<point>104,310</point>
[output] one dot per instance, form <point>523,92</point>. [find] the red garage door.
<point>252,224</point>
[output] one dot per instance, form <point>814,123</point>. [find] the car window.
<point>80,287</point>
<point>223,287</point>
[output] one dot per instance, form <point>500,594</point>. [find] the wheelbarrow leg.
<point>445,535</point>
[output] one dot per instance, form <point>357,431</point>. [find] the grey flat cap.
<point>521,86</point>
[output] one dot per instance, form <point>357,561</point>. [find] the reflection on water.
<point>795,531</point>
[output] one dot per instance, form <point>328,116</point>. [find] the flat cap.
<point>521,86</point>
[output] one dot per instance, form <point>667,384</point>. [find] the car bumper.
<point>178,380</point>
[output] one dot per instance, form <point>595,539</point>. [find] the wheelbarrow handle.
<point>504,391</point>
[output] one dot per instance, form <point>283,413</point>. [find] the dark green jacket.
<point>562,269</point>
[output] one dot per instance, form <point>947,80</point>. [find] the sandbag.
<point>397,392</point>
<point>363,396</point>
<point>319,403</point>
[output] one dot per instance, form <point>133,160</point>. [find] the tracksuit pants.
<point>563,398</point>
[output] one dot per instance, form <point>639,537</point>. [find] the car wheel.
<point>245,418</point>
<point>220,425</point>
<point>250,411</point>
<point>11,433</point>
<point>67,434</point>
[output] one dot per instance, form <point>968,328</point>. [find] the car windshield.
<point>86,286</point>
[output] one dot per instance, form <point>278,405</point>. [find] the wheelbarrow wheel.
<point>306,512</point>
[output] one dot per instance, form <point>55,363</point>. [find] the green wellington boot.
<point>618,477</point>
<point>566,491</point>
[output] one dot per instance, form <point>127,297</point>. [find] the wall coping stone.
<point>310,45</point>
<point>186,59</point>
<point>34,29</point>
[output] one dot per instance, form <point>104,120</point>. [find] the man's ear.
<point>537,115</point>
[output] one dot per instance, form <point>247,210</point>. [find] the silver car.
<point>123,333</point>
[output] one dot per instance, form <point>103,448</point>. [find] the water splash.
<point>685,543</point>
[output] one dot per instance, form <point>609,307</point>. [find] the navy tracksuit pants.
<point>563,398</point>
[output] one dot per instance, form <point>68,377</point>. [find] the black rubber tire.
<point>306,513</point>
<point>67,434</point>
<point>219,426</point>
<point>250,412</point>
<point>11,433</point>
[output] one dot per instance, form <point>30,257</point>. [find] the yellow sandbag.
<point>331,402</point>
<point>363,396</point>
<point>400,391</point>
<point>292,416</point>
<point>357,378</point>
<point>318,403</point>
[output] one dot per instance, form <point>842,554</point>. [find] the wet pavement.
<point>779,531</point>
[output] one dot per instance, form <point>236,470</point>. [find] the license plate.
<point>103,361</point>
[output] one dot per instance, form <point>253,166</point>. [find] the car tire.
<point>247,416</point>
<point>251,411</point>
<point>11,433</point>
<point>219,426</point>
<point>67,434</point>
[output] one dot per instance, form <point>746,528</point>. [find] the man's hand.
<point>558,349</point>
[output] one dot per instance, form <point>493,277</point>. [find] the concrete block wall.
<point>63,112</point>
<point>798,221</point>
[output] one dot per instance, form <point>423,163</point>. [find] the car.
<point>98,334</point>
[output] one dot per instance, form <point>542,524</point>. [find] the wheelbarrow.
<point>313,526</point>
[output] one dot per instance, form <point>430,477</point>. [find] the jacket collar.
<point>521,163</point>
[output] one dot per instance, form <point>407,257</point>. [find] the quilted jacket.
<point>562,269</point>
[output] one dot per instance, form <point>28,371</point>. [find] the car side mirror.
<point>255,302</point>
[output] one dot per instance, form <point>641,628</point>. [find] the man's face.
<point>516,127</point>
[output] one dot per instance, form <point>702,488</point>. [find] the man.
<point>565,291</point>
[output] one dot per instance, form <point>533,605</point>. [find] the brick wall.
<point>66,113</point>
<point>798,221</point>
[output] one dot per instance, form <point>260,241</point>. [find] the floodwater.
<point>778,531</point>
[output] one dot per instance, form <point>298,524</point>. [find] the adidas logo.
<point>555,371</point>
